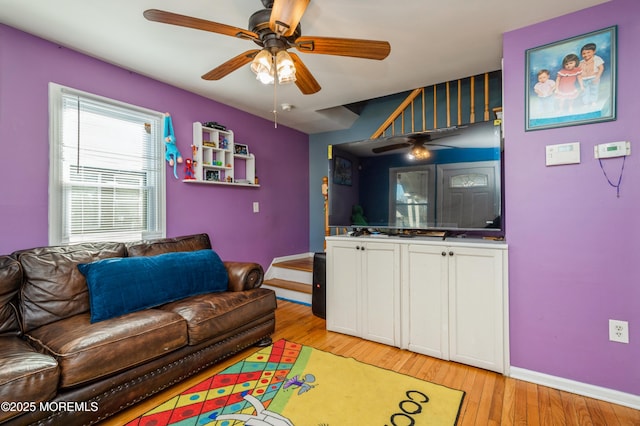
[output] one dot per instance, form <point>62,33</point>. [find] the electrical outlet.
<point>618,331</point>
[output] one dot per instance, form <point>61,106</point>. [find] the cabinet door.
<point>476,307</point>
<point>343,278</point>
<point>381,293</point>
<point>425,300</point>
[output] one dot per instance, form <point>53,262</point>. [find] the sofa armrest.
<point>244,275</point>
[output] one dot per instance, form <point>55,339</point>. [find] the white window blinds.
<point>107,170</point>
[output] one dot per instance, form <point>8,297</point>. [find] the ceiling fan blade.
<point>428,136</point>
<point>231,65</point>
<point>442,146</point>
<point>197,23</point>
<point>424,138</point>
<point>304,80</point>
<point>367,49</point>
<point>285,16</point>
<point>387,148</point>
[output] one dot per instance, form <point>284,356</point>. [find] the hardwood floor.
<point>491,399</point>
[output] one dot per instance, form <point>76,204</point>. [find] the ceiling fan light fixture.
<point>419,152</point>
<point>286,68</point>
<point>262,66</point>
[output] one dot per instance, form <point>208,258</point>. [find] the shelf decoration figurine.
<point>188,169</point>
<point>172,154</point>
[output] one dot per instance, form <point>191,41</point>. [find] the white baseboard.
<point>584,389</point>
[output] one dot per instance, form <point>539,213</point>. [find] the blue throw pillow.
<point>122,285</point>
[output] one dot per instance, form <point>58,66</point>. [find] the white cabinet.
<point>451,302</point>
<point>425,300</point>
<point>216,161</point>
<point>344,272</point>
<point>455,303</point>
<point>364,299</point>
<point>477,303</point>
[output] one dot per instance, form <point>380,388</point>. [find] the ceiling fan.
<point>417,141</point>
<point>275,29</point>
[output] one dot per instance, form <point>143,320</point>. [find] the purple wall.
<point>574,247</point>
<point>28,64</point>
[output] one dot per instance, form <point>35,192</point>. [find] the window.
<point>106,174</point>
<point>471,180</point>
<point>411,202</point>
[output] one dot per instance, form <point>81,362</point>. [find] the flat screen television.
<point>378,185</point>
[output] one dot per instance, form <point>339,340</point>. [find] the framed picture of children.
<point>572,81</point>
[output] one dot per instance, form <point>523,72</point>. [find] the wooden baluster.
<point>486,96</point>
<point>424,112</point>
<point>448,105</point>
<point>413,122</point>
<point>435,108</point>
<point>459,102</point>
<point>472,116</point>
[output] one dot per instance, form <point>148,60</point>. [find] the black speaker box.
<point>319,294</point>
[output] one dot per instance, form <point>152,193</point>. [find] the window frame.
<point>56,203</point>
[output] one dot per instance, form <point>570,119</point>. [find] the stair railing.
<point>417,101</point>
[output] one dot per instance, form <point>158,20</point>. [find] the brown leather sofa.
<point>57,367</point>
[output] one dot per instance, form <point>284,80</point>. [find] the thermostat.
<point>612,149</point>
<point>566,153</point>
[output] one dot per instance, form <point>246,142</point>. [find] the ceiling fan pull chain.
<point>275,94</point>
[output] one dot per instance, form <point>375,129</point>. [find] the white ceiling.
<point>431,42</point>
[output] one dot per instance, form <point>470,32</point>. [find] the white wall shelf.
<point>201,182</point>
<point>215,162</point>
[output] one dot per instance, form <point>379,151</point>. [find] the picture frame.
<point>560,92</point>
<point>342,171</point>
<point>241,149</point>
<point>212,175</point>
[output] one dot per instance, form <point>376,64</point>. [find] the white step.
<point>291,277</point>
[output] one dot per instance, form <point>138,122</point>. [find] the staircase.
<point>291,277</point>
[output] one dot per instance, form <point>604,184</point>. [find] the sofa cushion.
<point>25,375</point>
<point>211,315</point>
<point>54,288</point>
<point>168,245</point>
<point>124,285</point>
<point>10,280</point>
<point>87,351</point>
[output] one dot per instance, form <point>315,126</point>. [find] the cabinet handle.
<point>362,248</point>
<point>450,253</point>
<point>357,247</point>
<point>444,253</point>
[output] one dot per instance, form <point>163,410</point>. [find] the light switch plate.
<point>565,153</point>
